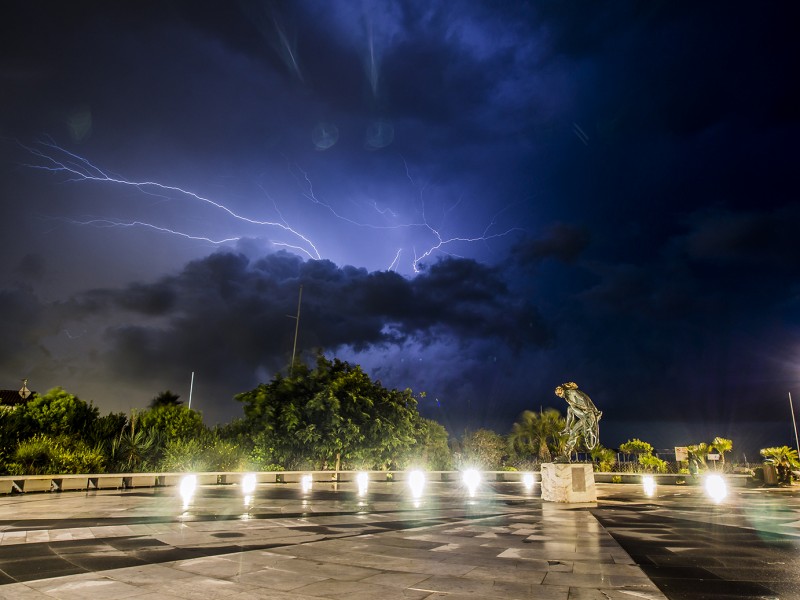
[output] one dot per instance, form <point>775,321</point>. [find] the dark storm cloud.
<point>21,326</point>
<point>562,242</point>
<point>229,314</point>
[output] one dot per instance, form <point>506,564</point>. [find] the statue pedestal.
<point>565,482</point>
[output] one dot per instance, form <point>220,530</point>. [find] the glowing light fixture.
<point>649,486</point>
<point>716,488</point>
<point>249,484</point>
<point>527,481</point>
<point>471,479</point>
<point>187,487</point>
<point>362,479</point>
<point>416,481</point>
<point>305,482</point>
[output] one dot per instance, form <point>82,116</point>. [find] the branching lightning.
<point>56,159</point>
<point>80,169</point>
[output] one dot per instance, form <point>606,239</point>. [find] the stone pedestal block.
<point>568,483</point>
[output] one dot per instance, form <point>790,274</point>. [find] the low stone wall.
<point>10,484</point>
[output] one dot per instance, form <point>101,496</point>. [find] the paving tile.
<point>328,546</point>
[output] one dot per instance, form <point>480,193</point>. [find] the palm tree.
<point>136,450</point>
<point>697,457</point>
<point>166,398</point>
<point>784,459</point>
<point>722,445</point>
<point>537,433</point>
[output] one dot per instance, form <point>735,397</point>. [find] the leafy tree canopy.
<point>484,449</point>
<point>334,412</point>
<point>58,412</point>
<point>172,421</point>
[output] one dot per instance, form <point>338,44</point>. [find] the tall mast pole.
<point>791,408</point>
<point>296,329</point>
<point>191,387</point>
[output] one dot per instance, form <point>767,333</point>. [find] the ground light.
<point>416,481</point>
<point>716,487</point>
<point>527,481</point>
<point>471,479</point>
<point>649,485</point>
<point>249,484</point>
<point>362,479</point>
<point>306,482</point>
<point>187,488</point>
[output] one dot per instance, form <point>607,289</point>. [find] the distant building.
<point>14,397</point>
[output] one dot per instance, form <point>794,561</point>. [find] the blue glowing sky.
<point>481,201</point>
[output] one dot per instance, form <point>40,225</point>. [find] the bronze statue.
<point>582,418</point>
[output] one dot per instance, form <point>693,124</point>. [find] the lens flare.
<point>471,479</point>
<point>248,484</point>
<point>362,479</point>
<point>306,482</point>
<point>416,481</point>
<point>716,488</point>
<point>187,488</point>
<point>527,481</point>
<point>649,486</point>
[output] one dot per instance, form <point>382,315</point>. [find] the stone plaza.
<point>499,540</point>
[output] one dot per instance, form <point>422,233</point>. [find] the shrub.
<point>47,455</point>
<point>653,463</point>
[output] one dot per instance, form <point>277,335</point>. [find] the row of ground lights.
<point>471,478</point>
<point>714,485</point>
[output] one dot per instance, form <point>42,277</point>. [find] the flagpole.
<point>794,422</point>
<point>191,387</point>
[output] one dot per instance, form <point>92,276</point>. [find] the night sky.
<point>481,200</point>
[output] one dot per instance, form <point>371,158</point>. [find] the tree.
<point>722,445</point>
<point>334,413</point>
<point>697,457</point>
<point>638,448</point>
<point>605,458</point>
<point>537,434</point>
<point>59,412</point>
<point>172,421</point>
<point>431,449</point>
<point>484,449</point>
<point>136,450</point>
<point>784,459</point>
<point>165,398</point>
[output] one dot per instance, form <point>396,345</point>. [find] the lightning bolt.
<point>80,169</point>
<point>53,158</point>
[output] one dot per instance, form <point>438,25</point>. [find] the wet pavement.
<point>331,542</point>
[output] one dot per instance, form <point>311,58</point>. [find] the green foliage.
<point>483,449</point>
<point>59,413</point>
<point>172,421</point>
<point>183,455</point>
<point>537,435</point>
<point>431,450</point>
<point>224,455</point>
<point>50,455</point>
<point>636,446</point>
<point>784,459</point>
<point>334,413</point>
<point>697,458</point>
<point>136,450</point>
<point>652,464</point>
<point>722,445</point>
<point>13,428</point>
<point>604,458</point>
<point>105,429</point>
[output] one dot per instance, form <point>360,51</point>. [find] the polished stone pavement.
<point>503,542</point>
